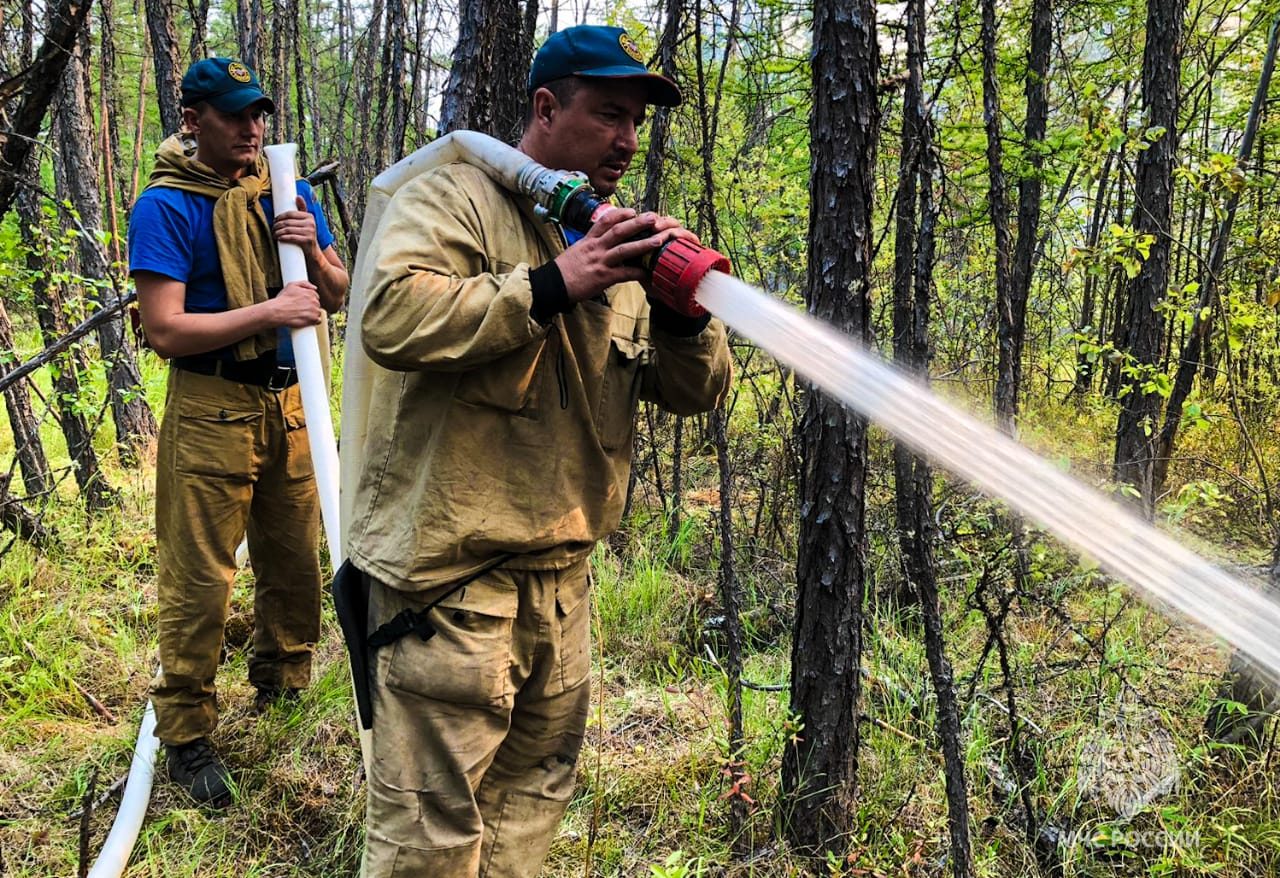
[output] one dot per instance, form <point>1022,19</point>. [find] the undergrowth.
<point>654,785</point>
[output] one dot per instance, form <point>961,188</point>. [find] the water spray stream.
<point>1122,543</point>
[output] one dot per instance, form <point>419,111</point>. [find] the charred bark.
<point>1006,395</point>
<point>66,379</point>
<point>820,764</point>
<point>166,63</point>
<point>1140,404</point>
<point>486,90</point>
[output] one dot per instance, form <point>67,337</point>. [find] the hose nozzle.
<point>677,270</point>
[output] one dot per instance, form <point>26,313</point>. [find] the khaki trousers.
<point>232,460</point>
<point>476,731</point>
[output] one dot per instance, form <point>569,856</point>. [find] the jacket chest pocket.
<point>620,392</point>
<point>216,439</point>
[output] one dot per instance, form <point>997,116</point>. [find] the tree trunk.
<point>198,13</point>
<point>487,81</point>
<point>819,769</point>
<point>134,423</point>
<point>1202,321</point>
<point>23,423</point>
<point>392,106</point>
<point>166,62</point>
<point>249,18</point>
<point>660,127</point>
<point>1153,197</point>
<point>913,479</point>
<point>1028,202</point>
<point>1085,366</point>
<point>1006,394</point>
<point>66,380</point>
<point>1245,684</point>
<point>39,84</point>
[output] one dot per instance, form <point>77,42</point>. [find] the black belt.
<point>262,372</point>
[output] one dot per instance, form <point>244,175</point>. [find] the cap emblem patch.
<point>629,46</point>
<point>238,72</point>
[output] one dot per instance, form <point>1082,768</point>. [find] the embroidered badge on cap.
<point>239,72</point>
<point>629,46</point>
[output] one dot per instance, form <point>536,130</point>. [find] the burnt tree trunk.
<point>1153,206</point>
<point>1085,364</point>
<point>486,84</point>
<point>134,423</point>
<point>913,478</point>
<point>166,63</point>
<point>198,15</point>
<point>820,764</point>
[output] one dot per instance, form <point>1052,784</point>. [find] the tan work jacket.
<point>495,433</point>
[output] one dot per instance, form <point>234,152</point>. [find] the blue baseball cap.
<point>598,52</point>
<point>225,83</point>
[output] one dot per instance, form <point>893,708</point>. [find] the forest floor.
<point>1111,694</point>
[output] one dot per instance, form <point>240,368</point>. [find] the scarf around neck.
<point>246,248</point>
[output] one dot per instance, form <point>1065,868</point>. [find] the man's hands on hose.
<point>296,305</point>
<point>610,253</point>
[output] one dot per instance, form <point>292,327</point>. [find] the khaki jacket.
<point>494,433</point>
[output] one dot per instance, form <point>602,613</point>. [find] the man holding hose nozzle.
<point>498,455</point>
<point>233,456</point>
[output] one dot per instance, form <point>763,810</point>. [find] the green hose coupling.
<point>566,186</point>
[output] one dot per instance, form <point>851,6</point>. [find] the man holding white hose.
<point>233,457</point>
<point>514,353</point>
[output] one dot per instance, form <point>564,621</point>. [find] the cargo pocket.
<point>620,393</point>
<point>573,614</point>
<point>215,439</point>
<point>468,660</point>
<point>297,445</point>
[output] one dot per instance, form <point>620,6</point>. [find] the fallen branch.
<point>116,786</point>
<point>86,326</point>
<point>98,707</point>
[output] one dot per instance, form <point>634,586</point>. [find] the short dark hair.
<point>564,89</point>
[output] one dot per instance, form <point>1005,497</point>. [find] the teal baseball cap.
<point>598,52</point>
<point>225,83</point>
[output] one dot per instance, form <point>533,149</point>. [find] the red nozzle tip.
<point>680,268</point>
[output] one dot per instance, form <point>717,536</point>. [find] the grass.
<point>652,788</point>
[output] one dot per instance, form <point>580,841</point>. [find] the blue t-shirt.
<point>171,233</point>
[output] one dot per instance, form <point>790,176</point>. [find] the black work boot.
<point>196,768</point>
<point>269,695</point>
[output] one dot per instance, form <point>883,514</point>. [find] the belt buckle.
<point>279,379</point>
